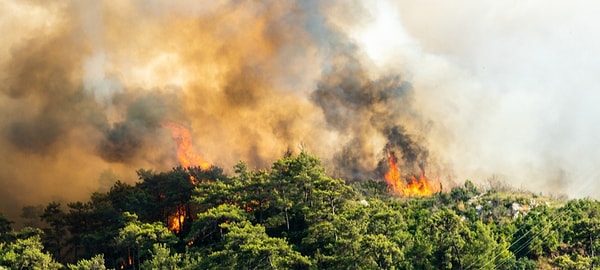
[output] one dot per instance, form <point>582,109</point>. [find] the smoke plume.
<point>87,84</point>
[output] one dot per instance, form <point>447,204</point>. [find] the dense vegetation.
<point>294,216</point>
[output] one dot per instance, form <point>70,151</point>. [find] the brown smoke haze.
<point>85,86</point>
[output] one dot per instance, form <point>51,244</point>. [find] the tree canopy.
<point>296,216</point>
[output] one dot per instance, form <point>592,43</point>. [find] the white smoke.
<point>511,86</point>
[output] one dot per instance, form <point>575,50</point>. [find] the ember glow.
<point>177,219</point>
<point>413,186</point>
<point>185,149</point>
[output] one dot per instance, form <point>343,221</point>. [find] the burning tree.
<point>188,158</point>
<point>171,192</point>
<point>412,186</point>
<point>414,156</point>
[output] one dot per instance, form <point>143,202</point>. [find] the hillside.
<point>295,216</point>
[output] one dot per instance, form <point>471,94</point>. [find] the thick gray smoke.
<point>85,86</point>
<point>362,108</point>
<point>53,104</point>
<point>124,140</point>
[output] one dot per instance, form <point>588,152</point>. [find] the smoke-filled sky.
<point>464,89</point>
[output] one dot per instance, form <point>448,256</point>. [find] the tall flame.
<point>415,187</point>
<point>185,150</point>
<point>187,158</point>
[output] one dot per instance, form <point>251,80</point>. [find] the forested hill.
<point>295,216</point>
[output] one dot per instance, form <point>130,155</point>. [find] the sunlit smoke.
<point>455,90</point>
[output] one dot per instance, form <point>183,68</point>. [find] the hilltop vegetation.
<point>295,216</point>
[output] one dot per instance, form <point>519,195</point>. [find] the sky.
<point>475,90</point>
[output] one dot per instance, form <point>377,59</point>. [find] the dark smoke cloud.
<point>39,80</point>
<point>84,86</point>
<point>363,108</point>
<point>87,84</point>
<point>412,152</point>
<point>124,140</point>
<point>58,134</point>
<point>43,80</point>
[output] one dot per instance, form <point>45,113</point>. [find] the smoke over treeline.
<point>87,84</point>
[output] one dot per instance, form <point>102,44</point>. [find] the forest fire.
<point>420,186</point>
<point>185,150</point>
<point>176,220</point>
<point>187,158</point>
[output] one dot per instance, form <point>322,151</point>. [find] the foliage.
<point>5,228</point>
<point>26,252</point>
<point>247,246</point>
<point>162,259</point>
<point>295,216</point>
<point>139,237</point>
<point>95,263</point>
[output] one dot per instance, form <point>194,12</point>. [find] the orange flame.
<point>185,150</point>
<point>176,220</point>
<point>187,158</point>
<point>415,186</point>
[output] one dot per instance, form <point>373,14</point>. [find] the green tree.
<point>137,238</point>
<point>212,194</point>
<point>338,243</point>
<point>372,189</point>
<point>247,246</point>
<point>378,252</point>
<point>92,227</point>
<point>303,195</point>
<point>5,228</point>
<point>26,252</point>
<point>94,263</point>
<point>536,235</point>
<point>573,262</point>
<point>464,193</point>
<point>482,251</point>
<point>212,225</point>
<point>293,180</point>
<point>79,222</point>
<point>162,259</point>
<point>330,194</point>
<point>213,188</point>
<point>54,236</point>
<point>255,193</point>
<point>169,195</point>
<point>383,219</point>
<point>449,235</point>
